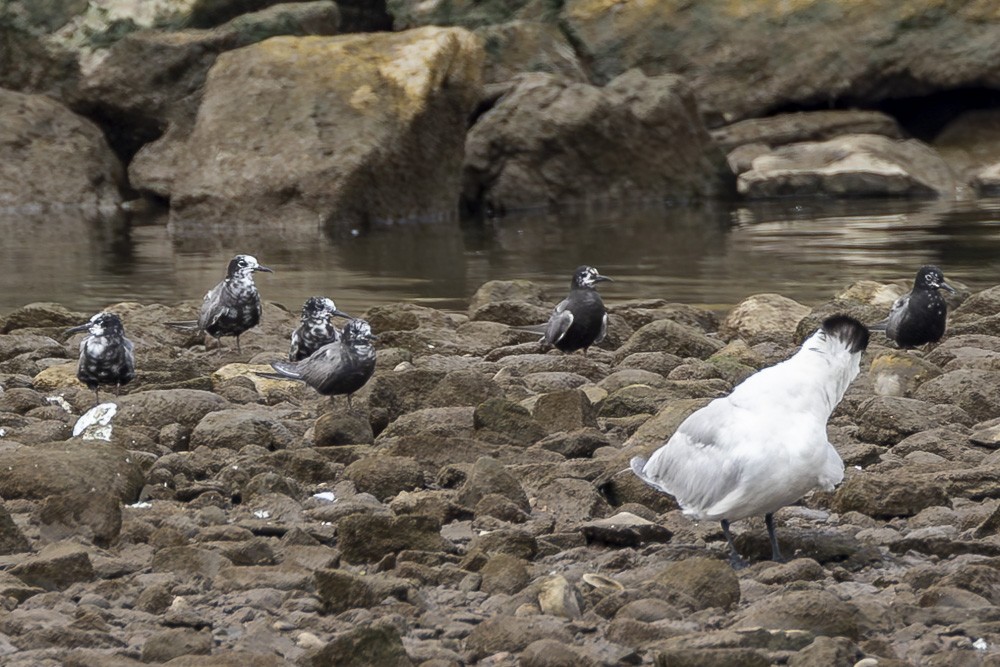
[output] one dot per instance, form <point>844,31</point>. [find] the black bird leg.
<point>237,343</point>
<point>97,396</point>
<point>775,551</point>
<point>735,559</point>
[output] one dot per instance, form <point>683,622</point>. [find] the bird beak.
<point>340,313</point>
<point>77,329</point>
<point>946,286</point>
<point>603,279</point>
<point>261,267</point>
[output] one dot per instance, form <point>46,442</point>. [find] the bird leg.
<point>97,396</point>
<point>735,559</point>
<point>775,551</point>
<point>237,343</point>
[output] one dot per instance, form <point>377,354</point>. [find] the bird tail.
<point>186,325</point>
<point>637,464</point>
<point>879,326</point>
<point>285,371</point>
<point>532,328</point>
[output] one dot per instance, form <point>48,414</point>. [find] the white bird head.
<point>243,266</point>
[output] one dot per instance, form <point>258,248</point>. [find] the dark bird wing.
<point>604,329</point>
<point>897,316</point>
<point>559,323</point>
<point>285,370</point>
<point>212,307</point>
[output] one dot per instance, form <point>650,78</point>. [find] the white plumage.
<point>764,445</point>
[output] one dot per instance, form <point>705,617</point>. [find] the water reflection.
<point>710,255</point>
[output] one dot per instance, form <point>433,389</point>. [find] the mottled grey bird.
<point>233,306</point>
<point>106,355</point>
<point>338,368</point>
<point>764,445</point>
<point>316,328</point>
<point>918,317</point>
<point>580,320</point>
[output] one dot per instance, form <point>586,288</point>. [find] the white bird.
<point>764,445</point>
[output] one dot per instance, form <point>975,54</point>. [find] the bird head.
<point>839,332</point>
<point>931,277</point>
<point>319,308</point>
<point>359,332</point>
<point>586,277</point>
<point>245,265</point>
<point>101,324</point>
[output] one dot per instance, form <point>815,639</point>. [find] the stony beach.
<point>475,506</point>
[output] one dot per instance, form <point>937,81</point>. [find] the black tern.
<point>106,355</point>
<point>918,317</point>
<point>580,320</point>
<point>233,306</point>
<point>315,327</point>
<point>337,368</point>
<point>764,445</point>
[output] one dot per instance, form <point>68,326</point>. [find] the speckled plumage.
<point>106,356</point>
<point>315,327</point>
<point>919,317</point>
<point>580,320</point>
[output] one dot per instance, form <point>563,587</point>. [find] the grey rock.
<point>505,574</point>
<point>975,391</point>
<point>54,468</point>
<point>816,611</point>
<point>885,420</point>
<point>487,477</point>
<point>95,516</point>
<point>367,538</point>
<point>174,642</point>
<point>56,567</point>
<point>385,476</point>
<point>889,495</point>
<point>709,582</point>
<point>668,336</point>
<point>334,429</point>
<point>234,429</point>
<point>513,634</point>
<point>360,647</point>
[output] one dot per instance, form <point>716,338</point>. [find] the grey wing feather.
<point>559,323</point>
<point>896,315</point>
<point>286,369</point>
<point>322,365</point>
<point>210,311</point>
<point>604,329</point>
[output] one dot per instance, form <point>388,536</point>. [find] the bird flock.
<point>750,453</point>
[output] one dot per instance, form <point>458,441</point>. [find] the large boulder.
<point>129,91</point>
<point>795,54</point>
<point>857,165</point>
<point>365,128</point>
<point>49,156</point>
<point>549,140</point>
<point>72,467</point>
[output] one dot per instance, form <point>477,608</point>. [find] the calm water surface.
<point>712,255</point>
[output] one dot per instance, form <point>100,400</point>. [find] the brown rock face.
<point>550,141</point>
<point>358,129</point>
<point>50,156</point>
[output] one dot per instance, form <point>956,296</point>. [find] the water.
<point>711,256</point>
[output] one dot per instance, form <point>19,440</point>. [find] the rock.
<point>861,165</point>
<point>975,391</point>
<point>773,35</point>
<point>567,410</point>
<point>816,611</point>
<point>505,574</point>
<point>558,597</point>
<point>392,97</point>
<point>509,419</point>
<point>128,91</point>
<point>160,407</point>
<point>577,444</point>
<point>187,562</point>
<point>986,181</point>
<point>54,468</point>
<point>666,335</point>
<point>402,391</point>
<point>763,317</point>
<point>361,647</point>
<point>896,373</point>
<point>507,291</point>
<point>368,538</point>
<point>512,634</point>
<point>234,429</point>
<point>571,502</point>
<point>500,507</point>
<point>526,150</point>
<point>94,515</point>
<point>889,495</point>
<point>61,159</point>
<point>341,590</point>
<point>12,540</point>
<point>885,420</point>
<point>792,128</point>
<point>463,388</point>
<point>513,313</point>
<point>625,529</point>
<point>657,430</point>
<point>431,422</point>
<point>552,653</point>
<point>826,651</point>
<point>710,657</point>
<point>488,476</point>
<point>512,541</point>
<point>528,46</point>
<point>174,642</point>
<point>711,583</point>
<point>334,429</point>
<point>56,567</point>
<point>385,476</point>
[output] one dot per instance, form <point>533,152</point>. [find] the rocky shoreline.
<point>347,115</point>
<point>476,507</point>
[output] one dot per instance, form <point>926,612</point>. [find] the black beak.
<point>261,267</point>
<point>340,313</point>
<point>603,279</point>
<point>944,285</point>
<point>77,329</point>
